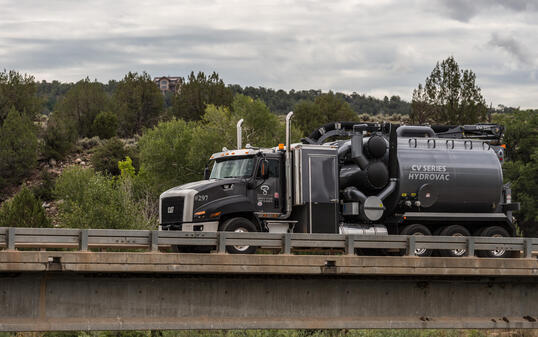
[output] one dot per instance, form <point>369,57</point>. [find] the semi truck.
<point>354,178</point>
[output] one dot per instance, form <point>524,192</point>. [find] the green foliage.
<point>18,148</point>
<point>260,127</point>
<point>199,91</point>
<point>326,108</point>
<point>18,92</point>
<point>139,103</point>
<point>449,96</point>
<point>106,156</point>
<point>24,210</point>
<point>60,137</point>
<point>282,102</point>
<point>126,167</point>
<point>166,154</point>
<point>521,139</point>
<point>82,103</point>
<point>105,125</point>
<point>51,92</point>
<point>44,190</point>
<point>91,200</point>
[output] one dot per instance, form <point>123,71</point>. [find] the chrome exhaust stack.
<point>239,134</point>
<point>288,167</point>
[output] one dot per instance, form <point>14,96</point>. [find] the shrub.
<point>88,143</point>
<point>18,148</point>
<point>106,156</point>
<point>60,137</point>
<point>24,210</point>
<point>91,200</point>
<point>105,125</point>
<point>44,190</point>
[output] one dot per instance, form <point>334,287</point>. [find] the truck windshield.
<point>233,168</point>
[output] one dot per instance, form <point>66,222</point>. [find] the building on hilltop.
<point>169,84</point>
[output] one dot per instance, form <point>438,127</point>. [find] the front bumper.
<point>210,226</point>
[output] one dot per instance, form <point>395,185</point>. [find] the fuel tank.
<point>445,175</point>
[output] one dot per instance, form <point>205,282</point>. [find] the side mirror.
<point>264,169</point>
<point>206,173</point>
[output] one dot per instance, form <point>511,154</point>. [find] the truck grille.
<point>172,210</point>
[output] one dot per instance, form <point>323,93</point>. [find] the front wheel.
<point>239,225</point>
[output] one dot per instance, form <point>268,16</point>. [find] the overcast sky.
<point>379,48</point>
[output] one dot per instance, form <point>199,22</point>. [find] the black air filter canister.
<point>376,146</point>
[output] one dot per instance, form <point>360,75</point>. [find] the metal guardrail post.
<point>286,243</point>
<point>154,241</point>
<point>221,242</point>
<point>527,248</point>
<point>411,245</point>
<point>350,245</point>
<point>470,246</point>
<point>83,245</point>
<point>11,238</point>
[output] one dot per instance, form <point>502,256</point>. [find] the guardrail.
<point>84,239</point>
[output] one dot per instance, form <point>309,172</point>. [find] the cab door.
<point>269,198</point>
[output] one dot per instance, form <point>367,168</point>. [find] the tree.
<point>325,109</point>
<point>105,125</point>
<point>449,96</point>
<point>18,92</point>
<point>82,103</point>
<point>308,117</point>
<point>139,103</point>
<point>60,136</point>
<point>165,155</point>
<point>18,148</point>
<point>521,170</point>
<point>24,210</point>
<point>199,91</point>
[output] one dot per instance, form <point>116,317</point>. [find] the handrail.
<point>12,238</point>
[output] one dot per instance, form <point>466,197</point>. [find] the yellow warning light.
<point>404,194</point>
<point>413,194</point>
<point>199,213</point>
<point>281,146</point>
<point>215,214</point>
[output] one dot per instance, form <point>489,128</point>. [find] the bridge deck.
<point>155,262</point>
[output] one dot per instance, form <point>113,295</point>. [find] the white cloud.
<point>377,47</point>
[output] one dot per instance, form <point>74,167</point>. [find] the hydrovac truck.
<point>354,178</point>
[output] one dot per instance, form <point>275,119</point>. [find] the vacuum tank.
<point>430,174</point>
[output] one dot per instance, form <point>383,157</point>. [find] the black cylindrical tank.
<point>448,175</point>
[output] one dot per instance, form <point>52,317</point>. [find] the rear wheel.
<point>495,232</point>
<point>239,225</point>
<point>418,229</point>
<point>454,230</point>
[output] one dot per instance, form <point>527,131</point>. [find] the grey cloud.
<point>512,46</point>
<point>465,10</point>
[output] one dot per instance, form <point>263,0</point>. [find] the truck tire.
<point>495,231</point>
<point>239,225</point>
<point>454,230</point>
<point>418,229</point>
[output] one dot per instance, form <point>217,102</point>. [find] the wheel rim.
<point>420,251</point>
<point>498,252</point>
<point>458,252</point>
<point>241,248</point>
